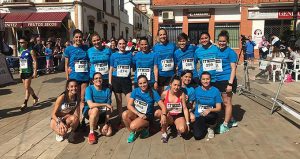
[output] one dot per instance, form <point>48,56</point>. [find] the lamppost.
<point>2,29</point>
<point>293,37</point>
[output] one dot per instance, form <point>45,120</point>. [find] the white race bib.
<point>264,49</point>
<point>188,64</point>
<point>81,66</point>
<point>102,68</point>
<point>141,106</point>
<point>167,64</point>
<point>209,64</point>
<point>201,108</point>
<point>123,70</point>
<point>23,64</point>
<point>144,71</point>
<point>174,108</point>
<point>219,67</point>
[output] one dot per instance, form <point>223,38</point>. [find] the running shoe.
<point>23,107</point>
<point>222,129</point>
<point>164,138</point>
<point>210,133</point>
<point>71,137</point>
<point>35,101</point>
<point>92,139</point>
<point>59,138</point>
<point>232,123</point>
<point>144,133</point>
<point>132,136</point>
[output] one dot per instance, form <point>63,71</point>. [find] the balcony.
<point>17,3</point>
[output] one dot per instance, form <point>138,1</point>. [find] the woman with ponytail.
<point>141,109</point>
<point>225,78</point>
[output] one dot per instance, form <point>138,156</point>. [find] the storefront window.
<point>276,27</point>
<point>233,30</point>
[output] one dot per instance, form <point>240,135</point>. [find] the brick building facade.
<point>246,17</point>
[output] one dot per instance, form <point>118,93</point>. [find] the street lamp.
<point>293,37</point>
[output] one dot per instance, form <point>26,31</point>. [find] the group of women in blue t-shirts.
<point>167,86</point>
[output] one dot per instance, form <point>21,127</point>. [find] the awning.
<point>15,19</point>
<point>44,19</point>
<point>2,15</point>
<point>48,19</point>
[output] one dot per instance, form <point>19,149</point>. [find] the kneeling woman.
<point>141,109</point>
<point>65,114</point>
<point>98,99</point>
<point>208,102</point>
<point>178,114</point>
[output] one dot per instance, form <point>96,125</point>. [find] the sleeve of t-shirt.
<point>67,52</point>
<point>134,60</point>
<point>132,95</point>
<point>175,58</point>
<point>218,96</point>
<point>111,60</point>
<point>155,59</point>
<point>232,57</point>
<point>108,96</point>
<point>88,94</point>
<point>156,96</point>
<point>192,96</point>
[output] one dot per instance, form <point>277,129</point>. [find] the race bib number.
<point>123,70</point>
<point>81,66</point>
<point>264,49</point>
<point>209,64</point>
<point>188,64</point>
<point>141,106</point>
<point>102,68</point>
<point>23,64</point>
<point>174,108</point>
<point>167,64</point>
<point>201,108</point>
<point>219,67</point>
<point>144,71</point>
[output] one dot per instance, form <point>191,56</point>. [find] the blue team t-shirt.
<point>185,59</point>
<point>78,57</point>
<point>98,96</point>
<point>207,58</point>
<point>99,61</point>
<point>144,64</point>
<point>49,54</point>
<point>223,61</point>
<point>26,61</point>
<point>165,58</point>
<point>143,101</point>
<point>208,98</point>
<point>122,63</point>
<point>250,47</point>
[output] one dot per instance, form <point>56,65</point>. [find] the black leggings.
<point>200,125</point>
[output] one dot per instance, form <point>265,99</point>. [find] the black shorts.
<point>174,117</point>
<point>26,75</point>
<point>102,117</point>
<point>163,81</point>
<point>195,82</point>
<point>121,84</point>
<point>82,82</point>
<point>222,85</point>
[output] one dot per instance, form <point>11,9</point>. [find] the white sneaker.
<point>210,133</point>
<point>59,138</point>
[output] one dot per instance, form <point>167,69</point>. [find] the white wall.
<point>226,14</point>
<point>257,24</point>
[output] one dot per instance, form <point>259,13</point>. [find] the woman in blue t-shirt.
<point>225,79</point>
<point>207,103</point>
<point>141,109</point>
<point>98,99</point>
<point>120,73</point>
<point>184,58</point>
<point>145,64</point>
<point>77,64</point>
<point>206,55</point>
<point>99,59</point>
<point>28,70</point>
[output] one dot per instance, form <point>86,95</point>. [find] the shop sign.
<point>198,15</point>
<point>287,14</point>
<point>42,24</point>
<point>262,15</point>
<point>2,25</point>
<point>13,25</point>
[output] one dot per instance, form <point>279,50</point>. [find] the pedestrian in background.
<point>250,50</point>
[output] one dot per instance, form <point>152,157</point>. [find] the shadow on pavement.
<point>5,91</point>
<point>11,112</point>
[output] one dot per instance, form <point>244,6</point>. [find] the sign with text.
<point>41,24</point>
<point>284,14</point>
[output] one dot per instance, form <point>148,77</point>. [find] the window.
<point>126,33</point>
<point>112,7</point>
<point>233,30</point>
<point>91,26</point>
<point>105,31</point>
<point>122,5</point>
<point>104,5</point>
<point>113,30</point>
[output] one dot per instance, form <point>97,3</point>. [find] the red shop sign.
<point>287,15</point>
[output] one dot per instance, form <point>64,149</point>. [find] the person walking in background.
<point>250,50</point>
<point>49,57</point>
<point>263,47</point>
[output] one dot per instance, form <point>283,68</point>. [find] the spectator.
<point>38,47</point>
<point>250,50</point>
<point>49,57</point>
<point>263,47</point>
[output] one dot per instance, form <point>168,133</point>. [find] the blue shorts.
<point>250,56</point>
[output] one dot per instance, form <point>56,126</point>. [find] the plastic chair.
<point>296,68</point>
<point>276,67</point>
